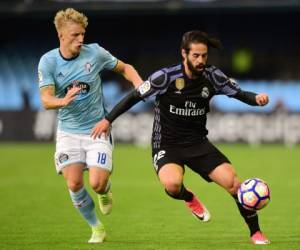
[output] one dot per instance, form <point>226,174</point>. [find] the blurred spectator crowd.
<point>260,51</point>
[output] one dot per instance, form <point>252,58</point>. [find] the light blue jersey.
<point>81,115</point>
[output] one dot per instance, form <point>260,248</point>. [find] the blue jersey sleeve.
<point>108,61</point>
<point>45,72</point>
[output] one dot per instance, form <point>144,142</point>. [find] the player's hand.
<point>102,127</point>
<point>70,96</point>
<point>262,99</point>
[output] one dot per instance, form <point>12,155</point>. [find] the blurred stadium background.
<point>261,51</point>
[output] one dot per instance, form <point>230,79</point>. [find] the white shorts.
<point>74,148</point>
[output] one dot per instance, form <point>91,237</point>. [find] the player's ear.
<point>183,54</point>
<point>60,34</point>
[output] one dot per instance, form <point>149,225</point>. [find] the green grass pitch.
<point>36,212</point>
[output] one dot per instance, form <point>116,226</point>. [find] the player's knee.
<point>234,186</point>
<point>172,187</point>
<point>98,187</point>
<point>75,186</point>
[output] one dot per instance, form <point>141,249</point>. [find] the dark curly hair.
<point>198,36</point>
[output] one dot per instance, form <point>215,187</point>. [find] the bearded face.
<point>197,69</point>
<point>195,60</point>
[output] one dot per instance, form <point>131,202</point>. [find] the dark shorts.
<point>202,158</point>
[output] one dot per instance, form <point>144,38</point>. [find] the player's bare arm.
<point>49,100</point>
<point>129,72</point>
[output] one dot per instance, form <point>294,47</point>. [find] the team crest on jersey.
<point>179,84</point>
<point>88,67</point>
<point>63,158</point>
<point>205,92</point>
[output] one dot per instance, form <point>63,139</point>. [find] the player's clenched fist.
<point>262,99</point>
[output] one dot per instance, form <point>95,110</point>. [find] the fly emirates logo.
<point>189,109</point>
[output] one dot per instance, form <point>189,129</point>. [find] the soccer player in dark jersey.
<point>179,135</point>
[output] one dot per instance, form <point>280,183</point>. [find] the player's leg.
<point>226,177</point>
<point>70,161</point>
<point>100,183</point>
<point>81,199</point>
<point>170,171</point>
<point>171,177</point>
<point>99,162</point>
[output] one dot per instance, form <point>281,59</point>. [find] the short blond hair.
<point>69,15</point>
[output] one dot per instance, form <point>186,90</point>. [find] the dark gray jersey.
<point>182,104</point>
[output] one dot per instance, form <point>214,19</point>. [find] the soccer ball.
<point>254,194</point>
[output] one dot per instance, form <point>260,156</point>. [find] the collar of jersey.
<point>67,59</point>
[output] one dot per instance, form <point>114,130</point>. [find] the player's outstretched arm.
<point>103,127</point>
<point>129,72</point>
<point>49,100</point>
<point>251,98</point>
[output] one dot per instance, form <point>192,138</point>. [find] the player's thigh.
<point>98,178</point>
<point>168,166</point>
<point>68,151</point>
<point>73,174</point>
<point>226,177</point>
<point>171,175</point>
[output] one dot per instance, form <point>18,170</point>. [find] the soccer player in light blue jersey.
<point>69,80</point>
